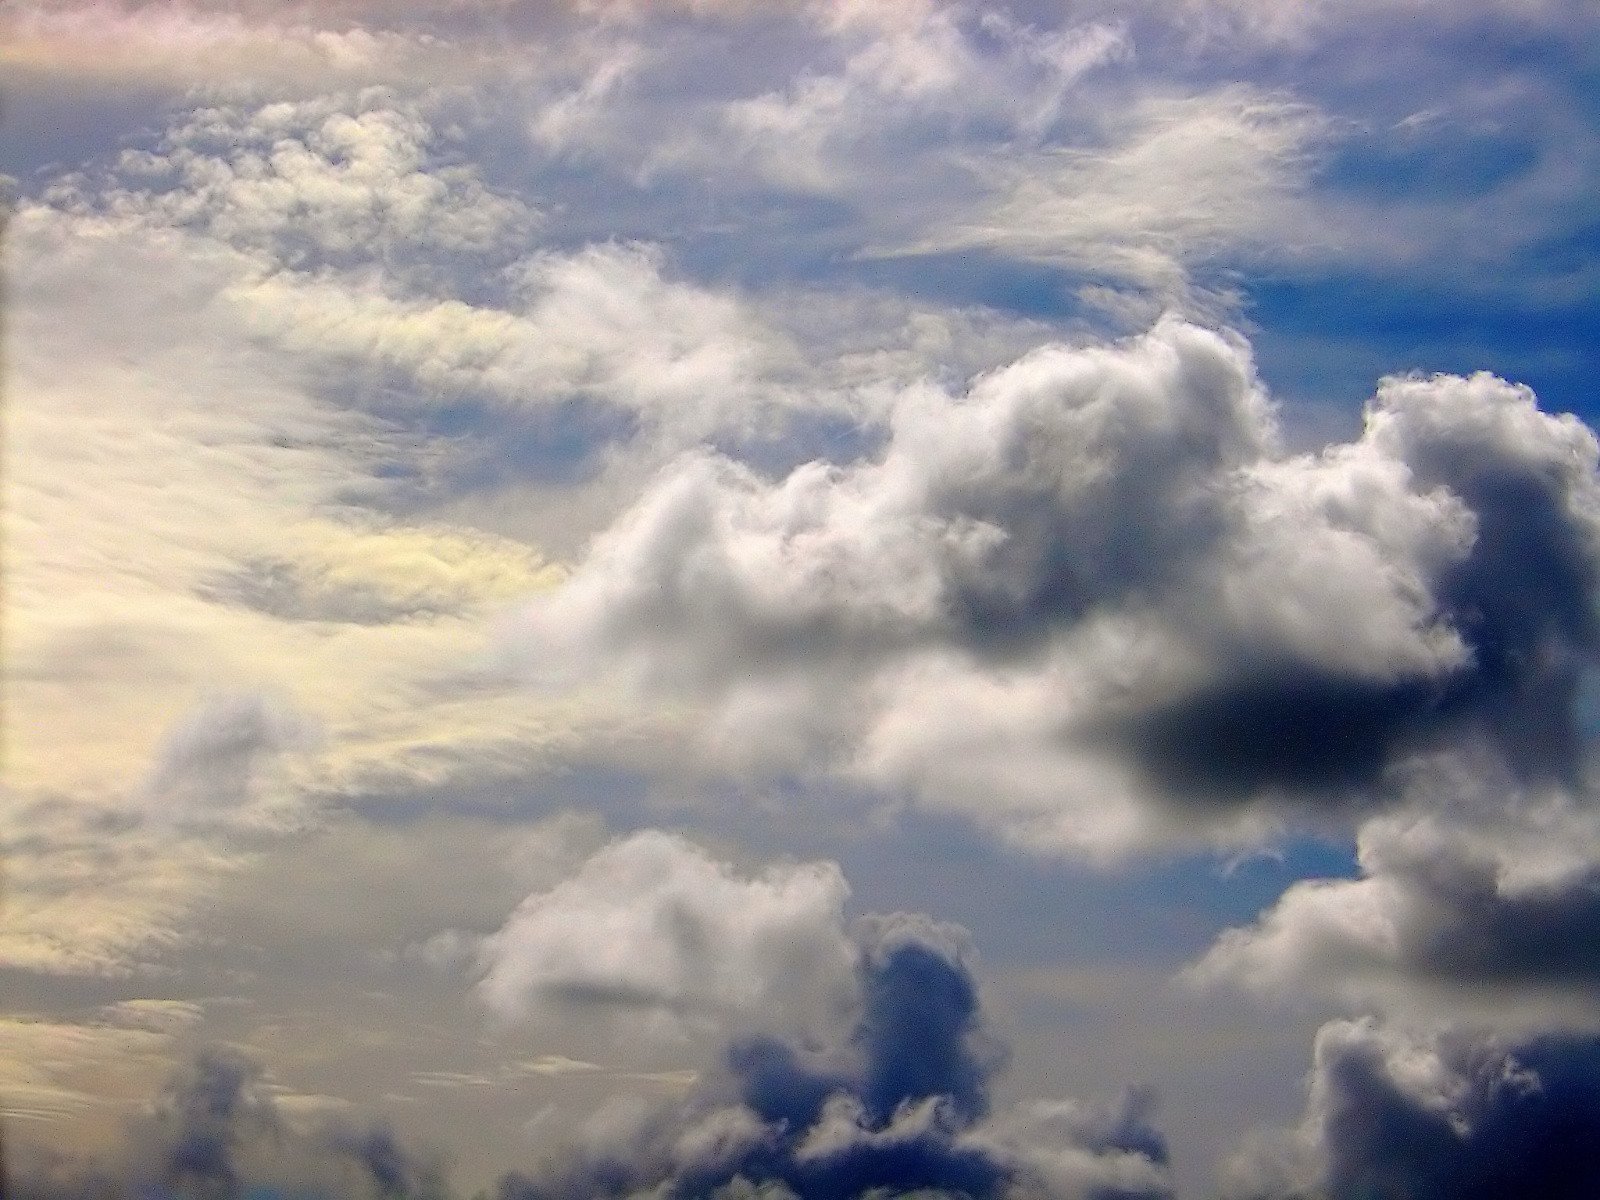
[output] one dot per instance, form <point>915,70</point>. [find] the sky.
<point>801,599</point>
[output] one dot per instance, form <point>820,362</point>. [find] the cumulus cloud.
<point>1435,1116</point>
<point>898,1107</point>
<point>659,937</point>
<point>1096,577</point>
<point>1494,913</point>
<point>269,366</point>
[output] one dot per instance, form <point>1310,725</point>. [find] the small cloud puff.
<point>654,936</point>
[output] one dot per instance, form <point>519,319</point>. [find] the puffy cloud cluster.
<point>658,936</point>
<point>1395,1115</point>
<point>336,179</point>
<point>1096,579</point>
<point>1491,914</point>
<point>899,1107</point>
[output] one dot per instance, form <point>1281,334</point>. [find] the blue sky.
<point>725,598</point>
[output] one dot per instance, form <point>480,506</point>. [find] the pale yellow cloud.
<point>92,1071</point>
<point>186,527</point>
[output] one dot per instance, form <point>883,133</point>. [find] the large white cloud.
<point>1095,580</point>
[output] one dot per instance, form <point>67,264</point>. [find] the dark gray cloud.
<point>1497,912</point>
<point>212,769</point>
<point>1445,1116</point>
<point>1104,556</point>
<point>217,1133</point>
<point>900,1107</point>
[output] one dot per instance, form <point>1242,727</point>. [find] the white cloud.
<point>1178,182</point>
<point>357,177</point>
<point>192,519</point>
<point>657,938</point>
<point>1094,582</point>
<point>1482,908</point>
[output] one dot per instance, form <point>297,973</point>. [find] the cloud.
<point>1306,24</point>
<point>602,334</point>
<point>99,885</point>
<point>216,550</point>
<point>899,1107</point>
<point>654,935</point>
<point>1431,1116</point>
<point>908,79</point>
<point>896,1102</point>
<point>1095,580</point>
<point>210,764</point>
<point>1493,913</point>
<point>334,180</point>
<point>53,1068</point>
<point>1181,181</point>
<point>378,575</point>
<point>177,46</point>
<point>219,1129</point>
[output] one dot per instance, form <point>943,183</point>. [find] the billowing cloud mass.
<point>1096,577</point>
<point>1498,919</point>
<point>1396,1115</point>
<point>900,1107</point>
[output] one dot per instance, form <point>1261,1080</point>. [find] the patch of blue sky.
<point>1024,910</point>
<point>53,126</point>
<point>1327,337</point>
<point>1028,911</point>
<point>1471,163</point>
